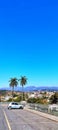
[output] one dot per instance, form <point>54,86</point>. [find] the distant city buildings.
<point>36,94</point>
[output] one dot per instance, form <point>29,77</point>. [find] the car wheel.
<point>9,108</point>
<point>20,107</point>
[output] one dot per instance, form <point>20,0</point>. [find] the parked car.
<point>14,105</point>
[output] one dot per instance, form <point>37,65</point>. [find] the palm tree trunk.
<point>22,92</point>
<point>12,93</point>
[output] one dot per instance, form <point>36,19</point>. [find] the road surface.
<point>24,120</point>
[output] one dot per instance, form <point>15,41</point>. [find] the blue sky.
<point>29,41</point>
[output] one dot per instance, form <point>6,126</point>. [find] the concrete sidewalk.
<point>51,117</point>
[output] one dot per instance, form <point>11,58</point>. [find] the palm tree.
<point>13,83</point>
<point>23,81</point>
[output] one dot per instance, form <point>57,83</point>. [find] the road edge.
<point>48,116</point>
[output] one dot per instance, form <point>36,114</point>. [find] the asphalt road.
<point>24,120</point>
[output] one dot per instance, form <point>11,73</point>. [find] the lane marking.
<point>8,124</point>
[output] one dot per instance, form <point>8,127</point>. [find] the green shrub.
<point>17,99</point>
<point>31,100</point>
<point>37,100</point>
<point>54,98</point>
<point>15,95</point>
<point>9,100</point>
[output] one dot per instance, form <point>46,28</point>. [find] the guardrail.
<point>42,108</point>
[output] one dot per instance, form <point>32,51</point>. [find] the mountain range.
<point>32,88</point>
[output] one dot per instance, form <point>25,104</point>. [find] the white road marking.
<point>9,127</point>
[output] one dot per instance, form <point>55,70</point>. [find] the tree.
<point>13,83</point>
<point>54,98</point>
<point>23,81</point>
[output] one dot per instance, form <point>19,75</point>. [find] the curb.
<point>48,116</point>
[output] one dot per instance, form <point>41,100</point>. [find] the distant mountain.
<point>32,88</point>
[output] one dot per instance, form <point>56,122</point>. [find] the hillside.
<point>31,88</point>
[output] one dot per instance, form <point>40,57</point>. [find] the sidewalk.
<point>51,117</point>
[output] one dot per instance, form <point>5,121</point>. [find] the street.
<point>24,120</point>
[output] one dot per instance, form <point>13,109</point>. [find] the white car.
<point>14,105</point>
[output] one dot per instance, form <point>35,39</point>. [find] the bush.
<point>54,98</point>
<point>31,100</point>
<point>9,100</point>
<point>15,95</point>
<point>37,100</point>
<point>17,99</point>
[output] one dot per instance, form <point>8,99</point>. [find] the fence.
<point>42,108</point>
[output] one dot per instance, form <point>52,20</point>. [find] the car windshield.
<point>13,103</point>
<point>16,103</point>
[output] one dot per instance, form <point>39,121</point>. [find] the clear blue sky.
<point>29,41</point>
